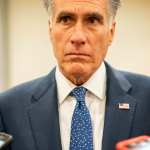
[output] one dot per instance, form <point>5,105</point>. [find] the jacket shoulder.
<point>137,79</point>
<point>140,85</point>
<point>128,79</point>
<point>27,89</point>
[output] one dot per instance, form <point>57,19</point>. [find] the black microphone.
<point>5,140</point>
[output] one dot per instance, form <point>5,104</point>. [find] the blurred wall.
<point>30,52</point>
<point>131,47</point>
<point>3,50</point>
<point>29,46</point>
<point>1,45</point>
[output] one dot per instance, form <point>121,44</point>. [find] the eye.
<point>93,20</point>
<point>65,19</point>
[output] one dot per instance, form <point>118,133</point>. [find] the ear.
<point>50,29</point>
<point>112,32</point>
<point>49,26</point>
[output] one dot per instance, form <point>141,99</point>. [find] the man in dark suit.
<point>38,113</point>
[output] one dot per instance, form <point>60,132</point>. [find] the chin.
<point>77,73</point>
<point>77,68</point>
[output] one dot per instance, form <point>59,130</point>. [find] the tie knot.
<point>79,93</point>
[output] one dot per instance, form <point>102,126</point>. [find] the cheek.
<point>100,45</point>
<point>101,40</point>
<point>58,47</point>
<point>56,36</point>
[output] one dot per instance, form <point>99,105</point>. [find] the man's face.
<point>81,33</point>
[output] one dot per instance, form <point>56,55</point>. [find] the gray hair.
<point>114,5</point>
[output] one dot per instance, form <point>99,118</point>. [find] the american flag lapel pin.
<point>124,106</point>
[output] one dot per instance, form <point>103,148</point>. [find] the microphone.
<point>5,140</point>
<point>136,143</point>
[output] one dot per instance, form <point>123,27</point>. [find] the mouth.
<point>77,55</point>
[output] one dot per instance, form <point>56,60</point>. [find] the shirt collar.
<point>96,84</point>
<point>64,86</point>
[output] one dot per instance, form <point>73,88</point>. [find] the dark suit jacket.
<point>30,111</point>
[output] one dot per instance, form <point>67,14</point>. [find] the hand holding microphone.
<point>137,143</point>
<point>5,140</point>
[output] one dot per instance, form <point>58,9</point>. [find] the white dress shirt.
<point>95,100</point>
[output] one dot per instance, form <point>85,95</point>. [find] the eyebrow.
<point>95,15</point>
<point>65,13</point>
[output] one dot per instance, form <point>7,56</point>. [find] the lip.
<point>77,54</point>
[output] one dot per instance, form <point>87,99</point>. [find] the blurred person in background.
<point>83,103</point>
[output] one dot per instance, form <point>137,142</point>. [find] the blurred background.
<point>26,53</point>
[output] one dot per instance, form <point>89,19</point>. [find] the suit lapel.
<point>118,121</point>
<point>43,115</point>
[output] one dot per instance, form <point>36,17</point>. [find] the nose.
<point>78,37</point>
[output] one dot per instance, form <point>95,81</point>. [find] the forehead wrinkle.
<point>96,3</point>
<point>81,6</point>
